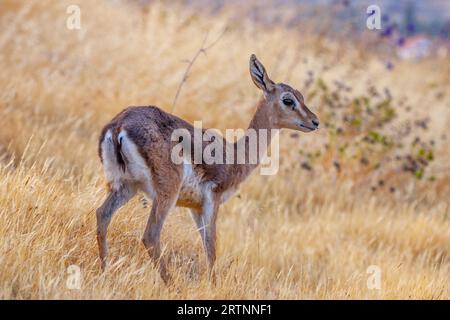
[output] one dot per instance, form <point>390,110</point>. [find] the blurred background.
<point>369,188</point>
<point>410,28</point>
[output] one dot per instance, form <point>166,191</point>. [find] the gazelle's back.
<point>147,127</point>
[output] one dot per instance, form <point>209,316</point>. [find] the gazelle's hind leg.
<point>151,239</point>
<point>164,201</point>
<point>116,199</point>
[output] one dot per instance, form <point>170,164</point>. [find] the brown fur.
<point>150,129</point>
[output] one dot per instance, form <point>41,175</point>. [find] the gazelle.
<point>135,149</point>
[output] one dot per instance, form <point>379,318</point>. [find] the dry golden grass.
<point>298,234</point>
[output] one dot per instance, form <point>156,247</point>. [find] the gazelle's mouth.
<point>306,127</point>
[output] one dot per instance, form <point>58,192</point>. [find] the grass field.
<point>303,233</point>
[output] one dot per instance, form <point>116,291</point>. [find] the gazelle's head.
<point>288,106</point>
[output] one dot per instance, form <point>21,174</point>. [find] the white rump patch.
<point>136,169</point>
<point>110,165</point>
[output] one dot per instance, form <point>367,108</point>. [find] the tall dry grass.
<point>299,234</point>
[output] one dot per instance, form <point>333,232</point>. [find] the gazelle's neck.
<point>260,126</point>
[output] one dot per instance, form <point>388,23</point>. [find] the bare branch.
<point>191,62</point>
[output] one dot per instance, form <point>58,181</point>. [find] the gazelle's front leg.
<point>206,225</point>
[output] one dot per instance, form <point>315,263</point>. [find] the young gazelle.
<point>135,149</point>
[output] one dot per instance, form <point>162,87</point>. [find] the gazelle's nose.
<point>315,122</point>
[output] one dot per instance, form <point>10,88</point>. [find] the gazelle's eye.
<point>288,102</point>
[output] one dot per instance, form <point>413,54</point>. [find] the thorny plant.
<point>366,140</point>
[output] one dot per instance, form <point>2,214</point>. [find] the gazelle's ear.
<point>259,75</point>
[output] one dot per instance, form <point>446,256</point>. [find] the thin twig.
<point>191,62</point>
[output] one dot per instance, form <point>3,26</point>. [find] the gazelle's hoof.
<point>212,278</point>
<point>165,275</point>
<point>104,265</point>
